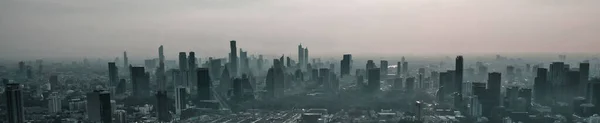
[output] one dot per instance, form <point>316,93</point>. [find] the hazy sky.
<point>105,28</point>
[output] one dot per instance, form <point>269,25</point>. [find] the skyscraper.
<point>204,84</point>
<point>181,97</point>
<point>345,64</point>
<point>374,80</point>
<point>541,86</point>
<point>494,88</point>
<point>300,56</point>
<point>14,103</point>
<point>54,103</point>
<point>584,76</point>
<point>53,82</point>
<point>161,78</point>
<point>125,60</point>
<point>162,107</point>
<point>384,69</point>
<point>99,107</point>
<point>305,55</point>
<point>191,68</point>
<point>233,59</point>
<point>113,74</point>
<point>399,69</point>
<point>459,74</point>
<point>405,68</point>
<point>140,81</point>
<point>183,70</point>
<point>183,62</point>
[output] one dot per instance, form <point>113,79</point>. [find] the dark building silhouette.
<point>541,86</point>
<point>99,107</point>
<point>594,93</point>
<point>584,76</point>
<point>53,82</point>
<point>301,60</point>
<point>162,107</point>
<point>305,56</point>
<point>399,69</point>
<point>215,68</point>
<point>14,103</point>
<point>125,60</point>
<point>573,87</point>
<point>204,84</point>
<point>183,70</point>
<point>140,81</point>
<point>113,74</point>
<point>237,90</point>
<point>345,64</point>
<point>374,80</point>
<point>181,99</point>
<point>384,69</point>
<point>233,59</point>
<point>494,88</point>
<point>191,68</point>
<point>314,74</point>
<point>398,85</point>
<point>405,68</point>
<point>525,93</point>
<point>243,63</point>
<point>458,76</point>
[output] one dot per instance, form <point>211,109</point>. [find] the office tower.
<point>301,56</point>
<point>458,76</point>
<point>345,65</point>
<point>314,74</point>
<point>405,68</point>
<point>512,94</point>
<point>483,72</point>
<point>572,86</point>
<point>204,84</point>
<point>99,108</point>
<point>476,107</point>
<point>191,67</point>
<point>306,55</point>
<point>237,90</point>
<point>259,63</point>
<point>121,87</point>
<point>510,73</point>
<point>53,82</point>
<point>594,94</point>
<point>181,97</point>
<point>183,62</point>
<point>324,78</point>
<point>270,83</point>
<point>384,69</point>
<point>233,59</point>
<point>443,87</point>
<point>541,86</point>
<point>288,62</point>
<point>140,82</point>
<point>161,78</point>
<point>494,86</point>
<point>125,60</point>
<point>162,107</point>
<point>14,103</point>
<point>410,84</point>
<point>120,116</point>
<point>557,78</point>
<point>225,83</point>
<point>584,75</point>
<point>113,74</point>
<point>370,65</point>
<point>215,68</point>
<point>374,80</point>
<point>243,63</point>
<point>54,103</point>
<point>525,93</point>
<point>275,80</point>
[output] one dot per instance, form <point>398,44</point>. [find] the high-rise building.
<point>14,103</point>
<point>305,55</point>
<point>121,87</point>
<point>183,70</point>
<point>237,90</point>
<point>99,107</point>
<point>183,62</point>
<point>161,78</point>
<point>410,84</point>
<point>374,80</point>
<point>458,76</point>
<point>405,68</point>
<point>399,69</point>
<point>345,65</point>
<point>243,64</point>
<point>162,107</point>
<point>53,82</point>
<point>181,97</point>
<point>301,56</point>
<point>203,84</point>
<point>384,69</point>
<point>113,74</point>
<point>54,103</point>
<point>191,67</point>
<point>557,78</point>
<point>233,59</point>
<point>120,116</point>
<point>125,60</point>
<point>494,88</point>
<point>584,76</point>
<point>324,78</point>
<point>140,81</point>
<point>541,86</point>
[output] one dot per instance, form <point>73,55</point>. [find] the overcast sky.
<point>106,28</point>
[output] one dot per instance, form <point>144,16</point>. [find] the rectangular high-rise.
<point>53,82</point>
<point>191,67</point>
<point>204,84</point>
<point>162,107</point>
<point>458,76</point>
<point>14,103</point>
<point>140,81</point>
<point>494,88</point>
<point>584,76</point>
<point>99,107</point>
<point>374,80</point>
<point>300,55</point>
<point>233,59</point>
<point>541,86</point>
<point>384,69</point>
<point>113,74</point>
<point>345,64</point>
<point>181,97</point>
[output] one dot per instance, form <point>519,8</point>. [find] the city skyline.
<point>56,28</point>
